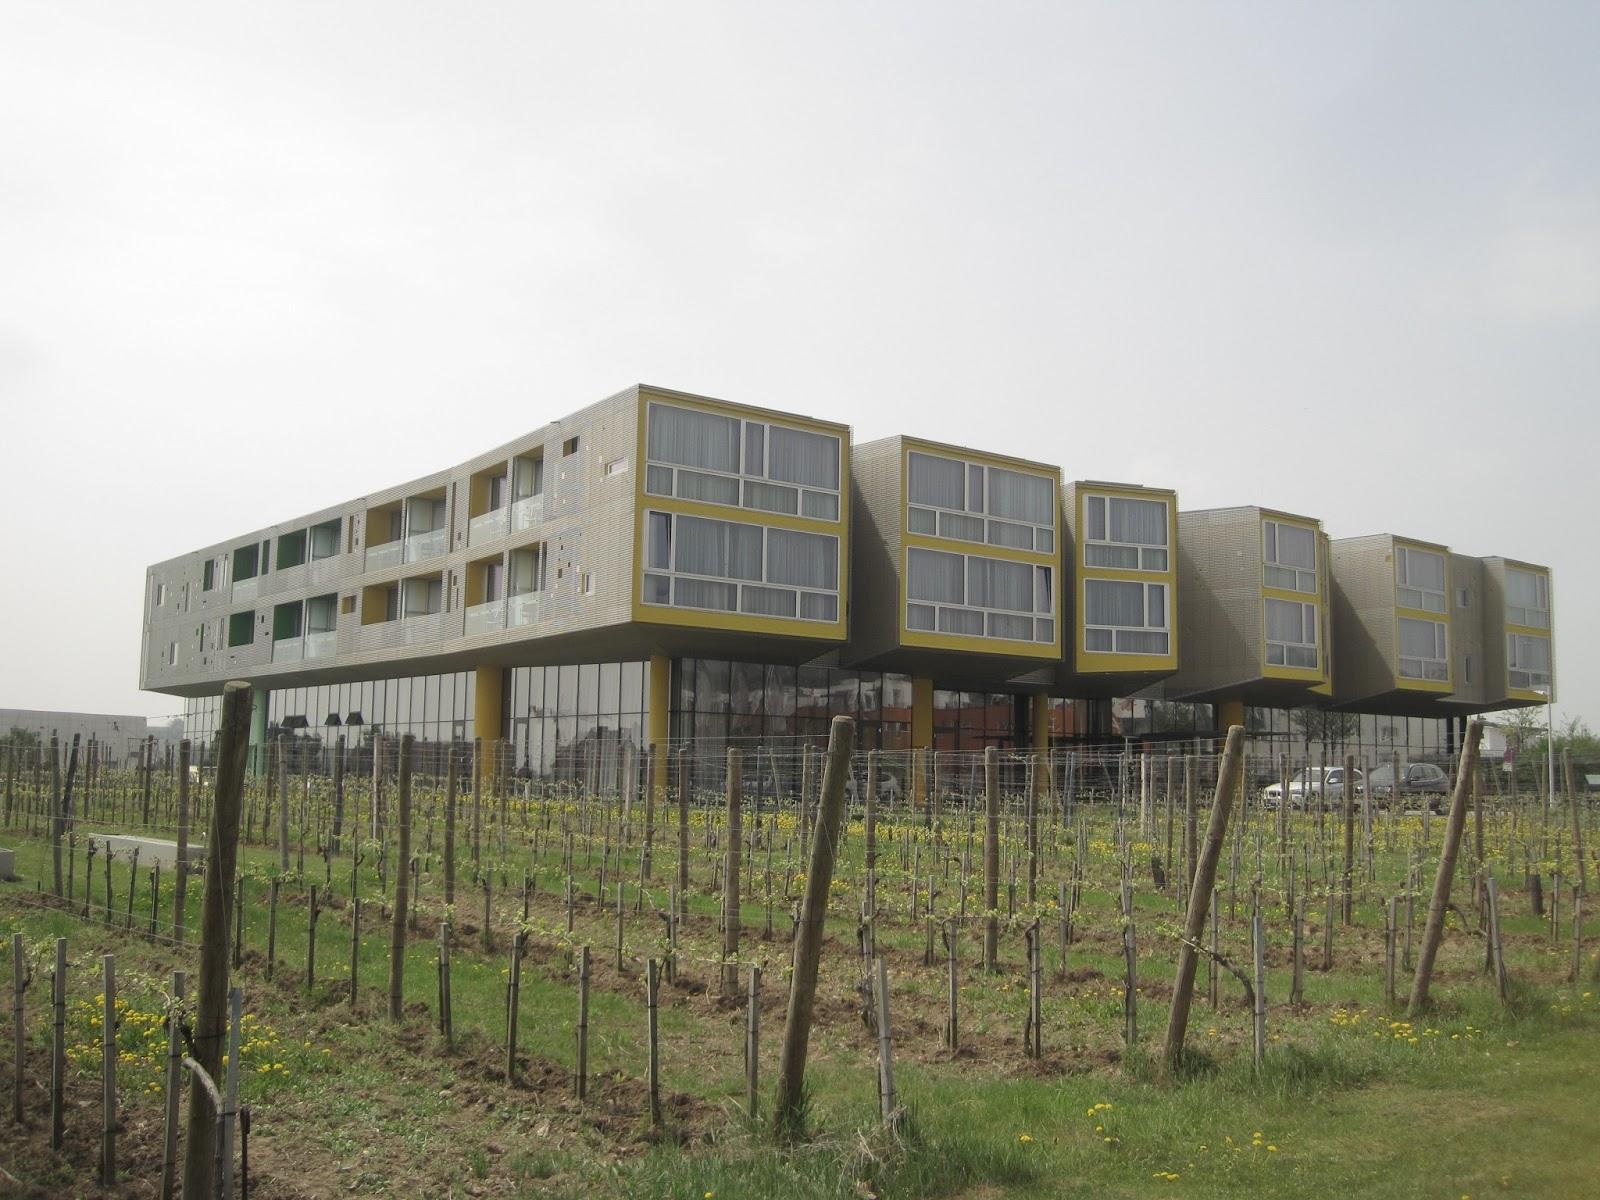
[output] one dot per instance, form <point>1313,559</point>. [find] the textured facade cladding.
<point>1082,673</point>
<point>585,518</point>
<point>1468,669</point>
<point>876,548</point>
<point>1497,627</point>
<point>880,637</point>
<point>1367,609</point>
<point>1363,618</point>
<point>1221,614</point>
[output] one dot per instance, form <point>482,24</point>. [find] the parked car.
<point>1419,778</point>
<point>1324,784</point>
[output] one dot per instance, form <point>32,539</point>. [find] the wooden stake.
<point>730,878</point>
<point>210,1019</point>
<point>513,1005</point>
<point>752,1044</point>
<point>355,948</point>
<point>991,859</point>
<point>651,985</point>
<point>58,1048</point>
<point>108,1072</point>
<point>808,942</point>
<point>888,1101</point>
<point>21,977</point>
<point>397,931</point>
<point>1258,938</point>
<point>1434,930</point>
<point>1200,894</point>
<point>180,897</point>
<point>581,1077</point>
<point>174,1083</point>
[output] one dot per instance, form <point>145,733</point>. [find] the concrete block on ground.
<point>151,850</point>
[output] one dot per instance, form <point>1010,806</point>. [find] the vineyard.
<point>1069,974</point>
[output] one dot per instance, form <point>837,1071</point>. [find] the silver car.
<point>1323,784</point>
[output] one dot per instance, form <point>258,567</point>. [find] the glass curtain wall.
<point>565,719</point>
<point>436,709</point>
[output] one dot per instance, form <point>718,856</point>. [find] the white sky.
<point>256,259</point>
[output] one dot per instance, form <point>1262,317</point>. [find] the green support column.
<point>258,728</point>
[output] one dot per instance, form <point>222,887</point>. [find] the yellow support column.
<point>1229,712</point>
<point>488,710</point>
<point>1039,729</point>
<point>921,736</point>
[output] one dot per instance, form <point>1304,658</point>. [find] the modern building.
<point>1253,622</point>
<point>663,566</point>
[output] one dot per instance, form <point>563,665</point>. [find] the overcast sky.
<point>257,259</point>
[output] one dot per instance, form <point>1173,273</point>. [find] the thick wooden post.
<point>1433,932</point>
<point>813,914</point>
<point>1205,879</point>
<point>402,885</point>
<point>211,1010</point>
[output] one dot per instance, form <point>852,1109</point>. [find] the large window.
<point>1527,598</point>
<point>1419,579</point>
<point>971,502</point>
<point>1125,533</point>
<point>1125,617</point>
<point>730,566</point>
<point>242,628</point>
<point>1527,660</point>
<point>1289,553</point>
<point>979,597</point>
<point>1423,649</point>
<point>1291,633</point>
<point>759,465</point>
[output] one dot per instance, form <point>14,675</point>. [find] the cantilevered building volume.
<point>663,566</point>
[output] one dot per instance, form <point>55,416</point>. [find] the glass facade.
<point>436,709</point>
<point>561,718</point>
<point>722,703</point>
<point>564,721</point>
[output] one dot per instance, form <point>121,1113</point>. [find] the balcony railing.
<point>386,554</point>
<point>426,545</point>
<point>524,609</point>
<point>287,650</point>
<point>487,527</point>
<point>486,618</point>
<point>322,645</point>
<point>527,512</point>
<point>246,589</point>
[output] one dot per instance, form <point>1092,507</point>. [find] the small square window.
<point>569,447</point>
<point>347,605</point>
